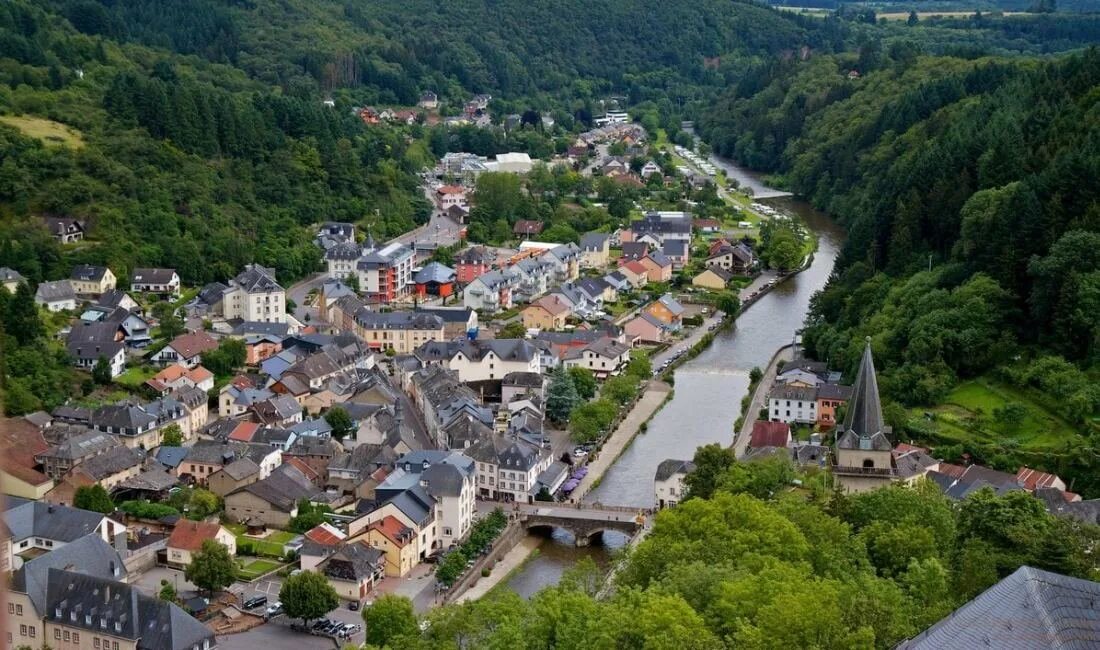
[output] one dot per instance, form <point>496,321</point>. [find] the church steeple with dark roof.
<point>863,424</point>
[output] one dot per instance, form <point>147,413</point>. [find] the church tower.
<point>864,458</point>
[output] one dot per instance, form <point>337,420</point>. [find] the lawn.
<point>969,413</point>
<point>134,377</point>
<point>254,568</point>
<point>270,546</point>
<point>51,132</point>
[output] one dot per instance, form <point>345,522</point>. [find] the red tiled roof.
<point>302,466</point>
<point>244,431</point>
<point>636,267</point>
<point>769,434</point>
<point>324,535</point>
<point>1032,479</point>
<point>392,528</point>
<point>904,448</point>
<point>954,471</point>
<point>189,535</point>
<point>527,227</point>
<point>21,441</point>
<point>451,189</point>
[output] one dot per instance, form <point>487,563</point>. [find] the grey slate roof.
<point>88,273</point>
<point>505,349</point>
<point>283,488</point>
<point>667,468</point>
<point>152,276</point>
<point>110,462</point>
<point>353,562</point>
<point>434,272</point>
<point>89,341</point>
<point>82,444</point>
<point>153,623</point>
<point>88,554</point>
<point>257,279</point>
<point>241,469</point>
<point>594,241</point>
<point>41,519</point>
<point>9,275</point>
<point>863,425</point>
<point>1030,609</point>
<point>58,291</point>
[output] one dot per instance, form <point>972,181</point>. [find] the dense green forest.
<point>981,170</point>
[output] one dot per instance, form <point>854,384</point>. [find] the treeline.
<point>983,170</point>
<point>183,164</point>
<point>736,567</point>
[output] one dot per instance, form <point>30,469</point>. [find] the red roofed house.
<point>636,273</point>
<point>770,434</point>
<point>303,467</point>
<point>188,536</point>
<point>326,535</point>
<point>177,376</point>
<point>19,476</point>
<point>1031,480</point>
<point>451,195</point>
<point>397,541</point>
<point>527,227</point>
<point>244,431</point>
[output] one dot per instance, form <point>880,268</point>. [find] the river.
<point>707,399</point>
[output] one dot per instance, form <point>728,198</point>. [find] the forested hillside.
<point>982,170</point>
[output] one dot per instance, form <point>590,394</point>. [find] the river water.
<point>707,398</point>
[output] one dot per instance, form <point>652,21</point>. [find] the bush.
<point>485,572</point>
<point>147,510</point>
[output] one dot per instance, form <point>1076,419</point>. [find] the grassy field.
<point>134,377</point>
<point>252,569</point>
<point>50,132</point>
<point>270,546</point>
<point>970,414</point>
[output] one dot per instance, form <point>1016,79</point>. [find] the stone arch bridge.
<point>584,522</point>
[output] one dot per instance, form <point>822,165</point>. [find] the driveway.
<point>300,290</point>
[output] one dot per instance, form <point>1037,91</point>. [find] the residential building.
<point>636,274</point>
<point>397,543</point>
<point>188,537</point>
<point>87,612</point>
<point>253,295</point>
<point>518,385</point>
<point>713,277</point>
<point>547,313</point>
<point>489,292</point>
<point>332,233</point>
<point>56,296</point>
<point>595,250</point>
<point>207,457</point>
<point>20,477</point>
<point>10,279</point>
<point>448,196</point>
<point>234,476</point>
<point>678,251</point>
<point>353,570</point>
<point>131,328</point>
<point>341,259</point>
<point>277,411</point>
<point>633,252</point>
<point>604,357</point>
<point>458,322</point>
<point>472,262</point>
<point>793,404</point>
<point>138,425</point>
<point>646,328</point>
<point>658,266</point>
<point>163,282</point>
<point>112,467</point>
<point>737,258</point>
<point>66,230</point>
<point>770,434</point>
<point>272,501</point>
<point>385,274</point>
<point>508,468</point>
<point>89,342</point>
<point>830,397</point>
<point>649,169</point>
<point>36,527</point>
<point>179,376</point>
<point>186,349</point>
<point>566,260</point>
<point>400,331</point>
<point>58,460</point>
<point>668,484</point>
<point>238,396</point>
<point>27,584</point>
<point>449,477</point>
<point>527,228</point>
<point>481,360</point>
<point>88,280</point>
<point>667,310</point>
<point>428,100</point>
<point>863,452</point>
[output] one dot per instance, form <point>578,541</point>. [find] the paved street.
<point>298,293</point>
<point>741,442</point>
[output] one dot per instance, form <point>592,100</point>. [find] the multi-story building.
<point>490,292</point>
<point>163,282</point>
<point>481,360</point>
<point>400,331</point>
<point>448,477</point>
<point>254,295</point>
<point>508,467</point>
<point>604,357</point>
<point>668,484</point>
<point>88,280</point>
<point>385,274</point>
<point>473,262</point>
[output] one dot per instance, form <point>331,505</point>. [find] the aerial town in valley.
<point>408,417</point>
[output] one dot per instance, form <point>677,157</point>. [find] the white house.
<point>604,357</point>
<point>255,296</point>
<point>490,292</point>
<point>188,536</point>
<point>792,404</point>
<point>508,469</point>
<point>165,282</point>
<point>483,359</point>
<point>56,296</point>
<point>668,484</point>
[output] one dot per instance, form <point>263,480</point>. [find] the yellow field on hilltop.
<point>48,131</point>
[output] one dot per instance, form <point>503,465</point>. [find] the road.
<point>741,441</point>
<point>298,292</point>
<point>440,230</point>
<point>651,400</point>
<point>697,334</point>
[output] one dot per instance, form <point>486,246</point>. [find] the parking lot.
<point>278,635</point>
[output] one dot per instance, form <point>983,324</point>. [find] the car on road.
<point>580,452</point>
<point>353,605</point>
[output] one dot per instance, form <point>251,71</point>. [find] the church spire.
<point>864,416</point>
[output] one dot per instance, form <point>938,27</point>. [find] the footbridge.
<point>584,521</point>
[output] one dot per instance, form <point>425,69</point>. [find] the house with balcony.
<point>490,292</point>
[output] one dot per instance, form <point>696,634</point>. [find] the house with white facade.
<point>56,296</point>
<point>163,282</point>
<point>508,468</point>
<point>668,484</point>
<point>604,357</point>
<point>481,359</point>
<point>490,292</point>
<point>792,404</point>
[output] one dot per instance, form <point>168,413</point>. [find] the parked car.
<point>354,605</point>
<point>275,609</point>
<point>580,452</point>
<point>255,601</point>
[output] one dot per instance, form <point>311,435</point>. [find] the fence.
<point>144,558</point>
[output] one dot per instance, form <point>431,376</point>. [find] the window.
<point>11,608</point>
<point>22,630</point>
<point>76,637</point>
<point>32,630</point>
<point>57,635</point>
<point>867,462</point>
